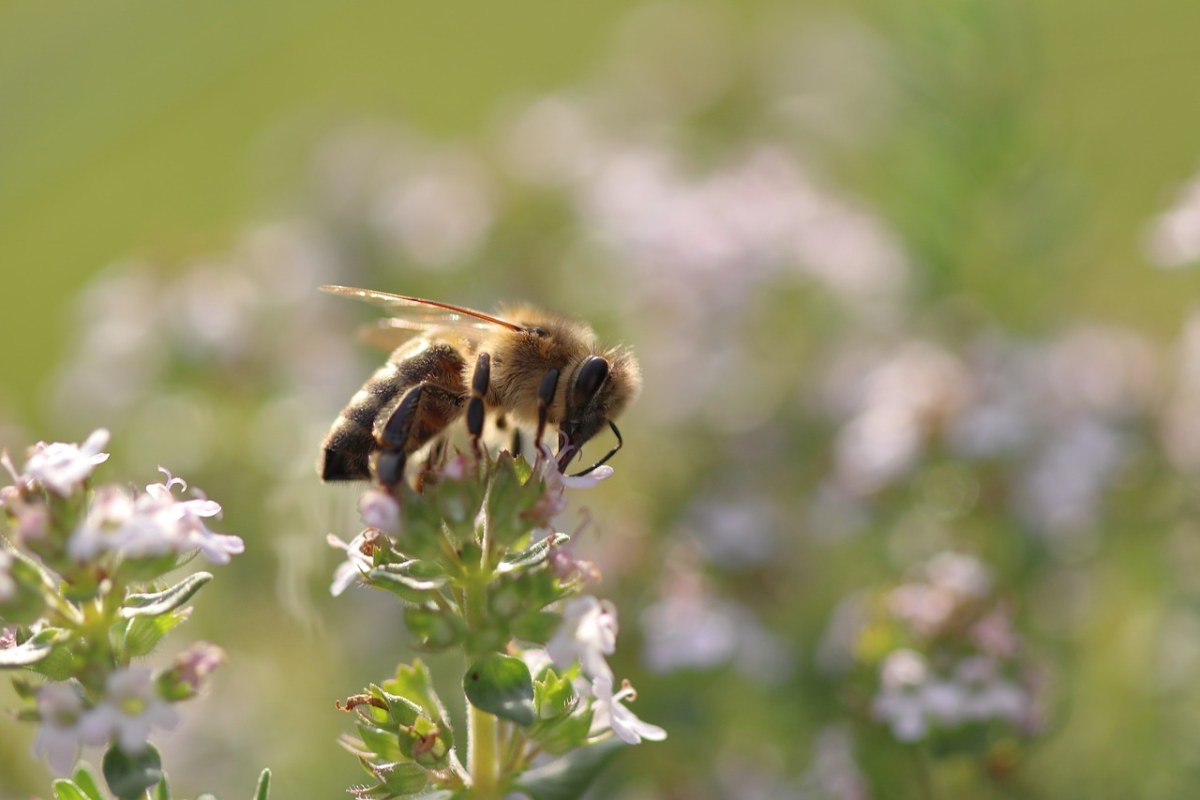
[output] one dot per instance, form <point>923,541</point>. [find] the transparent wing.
<point>413,314</point>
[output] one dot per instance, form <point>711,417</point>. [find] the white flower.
<point>8,585</point>
<point>358,559</point>
<point>380,510</point>
<point>153,523</point>
<point>129,711</point>
<point>60,467</point>
<point>608,713</point>
<point>64,726</point>
<point>588,633</point>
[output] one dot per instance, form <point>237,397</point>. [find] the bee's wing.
<point>413,314</point>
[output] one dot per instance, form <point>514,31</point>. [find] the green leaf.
<point>162,791</point>
<point>435,629</point>
<point>34,650</point>
<point>384,744</point>
<point>570,776</point>
<point>142,634</point>
<point>536,626</point>
<point>87,783</point>
<point>533,555</point>
<point>129,776</point>
<point>501,685</point>
<point>554,695</point>
<point>401,779</point>
<point>66,790</point>
<point>416,684</point>
<point>264,785</point>
<point>411,580</point>
<point>158,603</point>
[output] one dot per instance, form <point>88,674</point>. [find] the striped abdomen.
<point>435,366</point>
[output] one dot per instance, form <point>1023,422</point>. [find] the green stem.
<point>484,764</point>
<point>483,754</point>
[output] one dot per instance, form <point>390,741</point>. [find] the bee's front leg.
<point>545,398</point>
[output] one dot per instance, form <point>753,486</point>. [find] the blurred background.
<point>908,507</point>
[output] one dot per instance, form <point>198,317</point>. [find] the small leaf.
<point>142,634</point>
<point>570,776</point>
<point>536,626</point>
<point>533,555</point>
<point>402,778</point>
<point>34,650</point>
<point>158,603</point>
<point>264,785</point>
<point>66,790</point>
<point>411,580</point>
<point>436,630</point>
<point>129,776</point>
<point>87,783</point>
<point>383,744</point>
<point>501,685</point>
<point>162,791</point>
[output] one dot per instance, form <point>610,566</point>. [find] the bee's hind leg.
<point>406,424</point>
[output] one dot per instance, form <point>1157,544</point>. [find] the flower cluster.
<point>940,654</point>
<point>480,568</point>
<point>82,595</point>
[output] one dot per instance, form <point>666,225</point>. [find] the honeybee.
<point>537,367</point>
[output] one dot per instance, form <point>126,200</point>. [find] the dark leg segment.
<point>545,398</point>
<point>405,425</point>
<point>480,379</point>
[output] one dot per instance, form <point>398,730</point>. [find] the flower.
<point>8,584</point>
<point>588,633</point>
<point>358,559</point>
<point>608,713</point>
<point>60,467</point>
<point>153,523</point>
<point>194,665</point>
<point>64,726</point>
<point>380,510</point>
<point>129,711</point>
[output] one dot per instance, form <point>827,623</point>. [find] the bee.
<point>447,361</point>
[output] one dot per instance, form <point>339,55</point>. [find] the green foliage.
<point>129,776</point>
<point>501,685</point>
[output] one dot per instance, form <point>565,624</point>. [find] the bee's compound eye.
<point>591,376</point>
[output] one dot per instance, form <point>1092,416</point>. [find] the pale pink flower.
<point>129,711</point>
<point>609,713</point>
<point>60,467</point>
<point>588,633</point>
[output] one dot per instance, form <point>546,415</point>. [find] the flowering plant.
<point>83,592</point>
<point>475,558</point>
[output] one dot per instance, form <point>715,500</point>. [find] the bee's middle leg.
<point>480,379</point>
<point>406,424</point>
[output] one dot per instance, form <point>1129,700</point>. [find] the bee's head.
<point>599,390</point>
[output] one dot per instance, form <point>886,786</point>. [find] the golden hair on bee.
<point>539,368</point>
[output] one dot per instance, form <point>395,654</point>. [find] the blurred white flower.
<point>439,213</point>
<point>8,584</point>
<point>1174,237</point>
<point>130,709</point>
<point>691,628</point>
<point>64,726</point>
<point>152,523</point>
<point>951,580</point>
<point>587,634</point>
<point>380,510</point>
<point>896,400</point>
<point>358,559</point>
<point>60,467</point>
<point>608,713</point>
